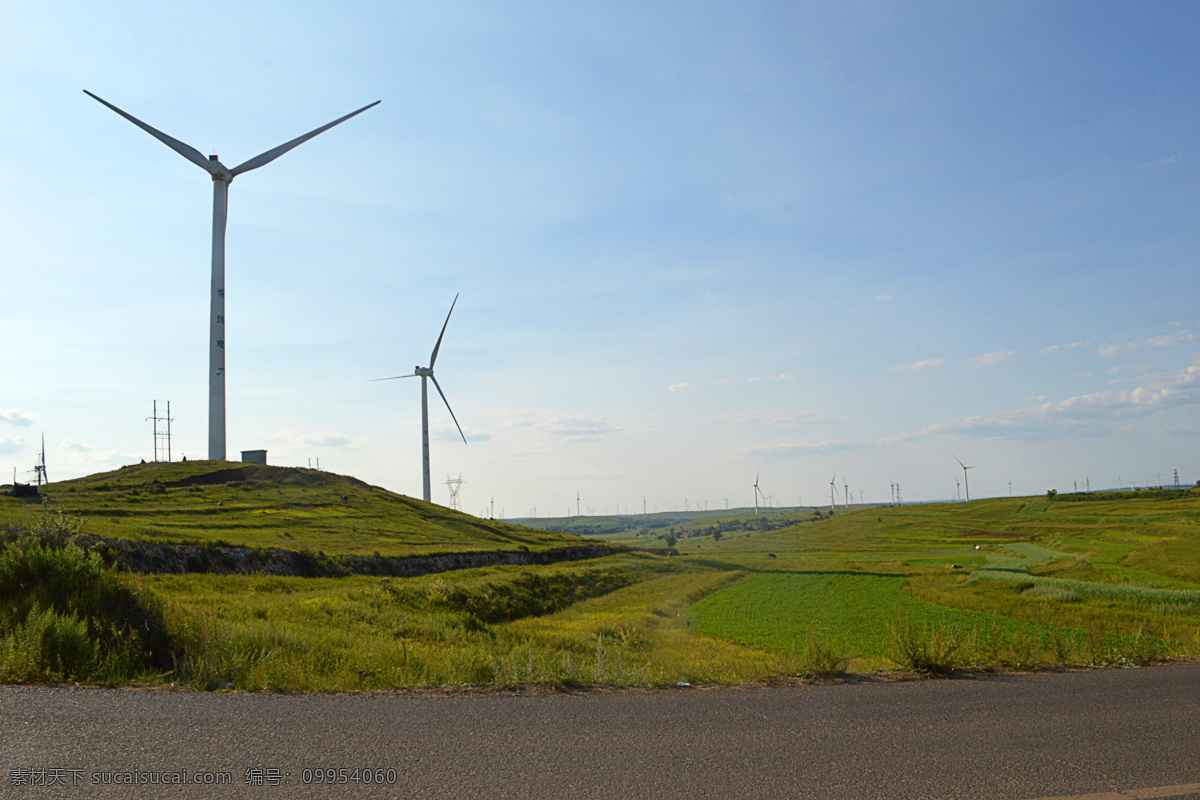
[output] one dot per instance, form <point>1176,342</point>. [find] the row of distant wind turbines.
<point>222,176</point>
<point>895,488</point>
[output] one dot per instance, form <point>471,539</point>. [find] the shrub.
<point>63,615</point>
<point>818,660</point>
<point>929,650</point>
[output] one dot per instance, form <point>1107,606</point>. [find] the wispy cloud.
<point>884,298</point>
<point>1054,348</point>
<point>723,381</point>
<point>991,359</point>
<point>443,429</point>
<point>573,428</point>
<point>297,440</point>
<point>680,387</point>
<point>1166,340</point>
<point>919,366</point>
<point>1163,162</point>
<point>10,445</point>
<point>325,439</point>
<point>780,418</point>
<point>15,416</point>
<point>72,446</point>
<point>1087,413</point>
<point>802,448</point>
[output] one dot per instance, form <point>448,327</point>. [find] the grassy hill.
<point>210,502</point>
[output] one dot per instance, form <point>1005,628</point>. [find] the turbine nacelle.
<point>422,372</point>
<point>219,171</point>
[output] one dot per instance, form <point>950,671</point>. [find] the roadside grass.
<point>64,616</point>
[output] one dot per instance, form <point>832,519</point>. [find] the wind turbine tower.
<point>832,489</point>
<point>222,176</point>
<point>426,373</point>
<point>846,489</point>
<point>966,484</point>
<point>757,492</point>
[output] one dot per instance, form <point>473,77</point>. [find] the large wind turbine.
<point>222,176</point>
<point>423,373</point>
<point>966,486</point>
<point>757,492</point>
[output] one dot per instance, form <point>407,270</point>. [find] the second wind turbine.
<point>423,373</point>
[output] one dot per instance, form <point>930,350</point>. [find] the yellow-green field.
<point>1025,582</point>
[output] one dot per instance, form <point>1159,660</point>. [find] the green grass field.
<point>1026,582</point>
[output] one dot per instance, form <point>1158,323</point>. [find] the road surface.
<point>1098,735</point>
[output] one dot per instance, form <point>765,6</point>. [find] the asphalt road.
<point>1102,734</point>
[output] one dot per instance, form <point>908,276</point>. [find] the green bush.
<point>928,649</point>
<point>64,616</point>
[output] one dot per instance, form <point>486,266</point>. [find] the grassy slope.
<point>263,506</point>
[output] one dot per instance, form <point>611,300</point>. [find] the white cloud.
<point>802,448</point>
<point>1166,340</point>
<point>1037,398</point>
<point>10,445</point>
<point>325,439</point>
<point>1162,162</point>
<point>931,363</point>
<point>15,416</point>
<point>680,387</point>
<point>443,428</point>
<point>884,298</point>
<point>72,446</point>
<point>294,441</point>
<point>1087,413</point>
<point>574,428</point>
<point>723,381</point>
<point>781,418</point>
<point>1056,347</point>
<point>990,359</point>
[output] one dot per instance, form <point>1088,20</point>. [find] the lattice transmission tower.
<point>454,485</point>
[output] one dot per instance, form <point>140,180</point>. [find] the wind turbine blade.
<point>185,150</point>
<point>964,466</point>
<point>271,155</point>
<point>448,408</point>
<point>394,377</point>
<point>437,346</point>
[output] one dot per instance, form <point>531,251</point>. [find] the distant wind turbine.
<point>832,489</point>
<point>966,485</point>
<point>423,373</point>
<point>39,468</point>
<point>222,176</point>
<point>846,489</point>
<point>957,490</point>
<point>757,492</point>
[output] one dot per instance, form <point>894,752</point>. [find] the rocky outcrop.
<point>149,557</point>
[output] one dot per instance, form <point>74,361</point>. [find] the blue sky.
<point>693,243</point>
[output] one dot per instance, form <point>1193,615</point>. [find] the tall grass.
<point>63,616</point>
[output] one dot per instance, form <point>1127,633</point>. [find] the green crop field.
<point>722,597</point>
